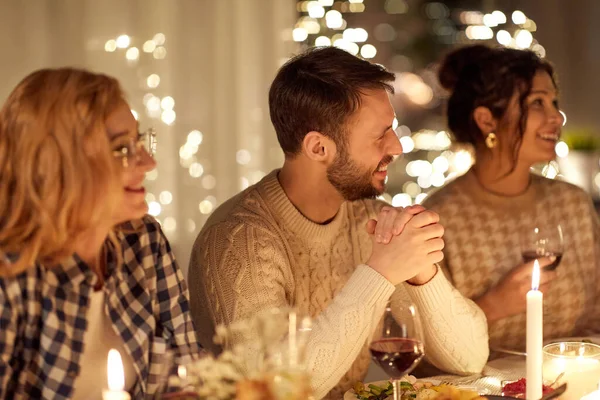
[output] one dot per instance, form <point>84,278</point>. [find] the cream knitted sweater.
<point>258,251</point>
<point>482,246</point>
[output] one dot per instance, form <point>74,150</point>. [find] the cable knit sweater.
<point>258,251</point>
<point>482,246</point>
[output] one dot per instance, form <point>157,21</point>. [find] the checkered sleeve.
<point>173,299</point>
<point>8,333</point>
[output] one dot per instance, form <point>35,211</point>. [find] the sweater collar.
<point>523,201</point>
<point>278,201</point>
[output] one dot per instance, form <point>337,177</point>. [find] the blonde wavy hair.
<point>57,173</point>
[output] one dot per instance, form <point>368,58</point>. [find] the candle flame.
<point>116,375</point>
<point>535,276</point>
<point>182,372</point>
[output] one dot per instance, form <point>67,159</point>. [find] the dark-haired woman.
<point>504,103</point>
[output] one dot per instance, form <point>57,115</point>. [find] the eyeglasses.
<point>130,150</point>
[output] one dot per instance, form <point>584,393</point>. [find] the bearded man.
<point>312,235</point>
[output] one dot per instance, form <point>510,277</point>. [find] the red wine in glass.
<point>531,255</point>
<point>397,356</point>
<point>399,346</point>
<point>542,241</point>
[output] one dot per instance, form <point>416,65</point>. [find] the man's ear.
<point>318,147</point>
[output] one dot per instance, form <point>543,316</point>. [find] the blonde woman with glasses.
<point>83,269</point>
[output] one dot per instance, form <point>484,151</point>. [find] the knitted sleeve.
<point>455,328</point>
<point>236,271</point>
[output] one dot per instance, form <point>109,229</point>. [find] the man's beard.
<point>351,180</point>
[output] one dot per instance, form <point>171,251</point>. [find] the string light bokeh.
<point>199,73</point>
<point>382,31</point>
<point>158,109</point>
<point>181,77</point>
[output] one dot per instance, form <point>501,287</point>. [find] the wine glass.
<point>284,334</point>
<point>541,242</point>
<point>174,380</point>
<point>399,347</point>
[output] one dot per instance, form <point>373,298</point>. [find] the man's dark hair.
<point>319,90</point>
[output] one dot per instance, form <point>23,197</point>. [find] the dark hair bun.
<point>459,60</point>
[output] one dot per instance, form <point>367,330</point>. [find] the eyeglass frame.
<point>132,149</point>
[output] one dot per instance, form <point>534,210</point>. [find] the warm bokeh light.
<point>322,41</point>
<point>561,149</point>
<point>299,34</point>
<point>518,17</point>
<point>165,197</point>
<point>368,51</point>
<point>503,37</point>
<point>132,54</point>
<point>123,41</point>
<point>110,46</point>
<point>523,39</point>
<point>154,208</point>
<point>149,46</point>
<point>153,81</point>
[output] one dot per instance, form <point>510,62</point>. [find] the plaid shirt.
<point>43,316</point>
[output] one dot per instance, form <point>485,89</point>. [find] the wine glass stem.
<point>396,384</point>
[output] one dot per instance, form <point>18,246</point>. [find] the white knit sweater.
<point>258,251</point>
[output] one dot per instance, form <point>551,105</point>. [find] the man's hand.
<point>412,252</point>
<point>391,222</point>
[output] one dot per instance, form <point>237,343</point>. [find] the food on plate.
<point>518,389</point>
<point>412,389</point>
<point>454,393</point>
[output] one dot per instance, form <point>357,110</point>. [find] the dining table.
<point>507,365</point>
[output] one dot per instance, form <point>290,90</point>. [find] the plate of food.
<point>411,389</point>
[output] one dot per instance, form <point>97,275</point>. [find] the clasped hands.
<point>407,242</point>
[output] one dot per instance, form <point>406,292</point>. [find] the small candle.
<point>581,373</point>
<point>535,336</point>
<point>116,378</point>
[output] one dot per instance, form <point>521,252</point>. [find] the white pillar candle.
<point>535,336</point>
<point>116,378</point>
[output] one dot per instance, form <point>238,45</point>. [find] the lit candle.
<point>116,378</point>
<point>535,300</point>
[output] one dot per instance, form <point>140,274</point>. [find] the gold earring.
<point>491,140</point>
